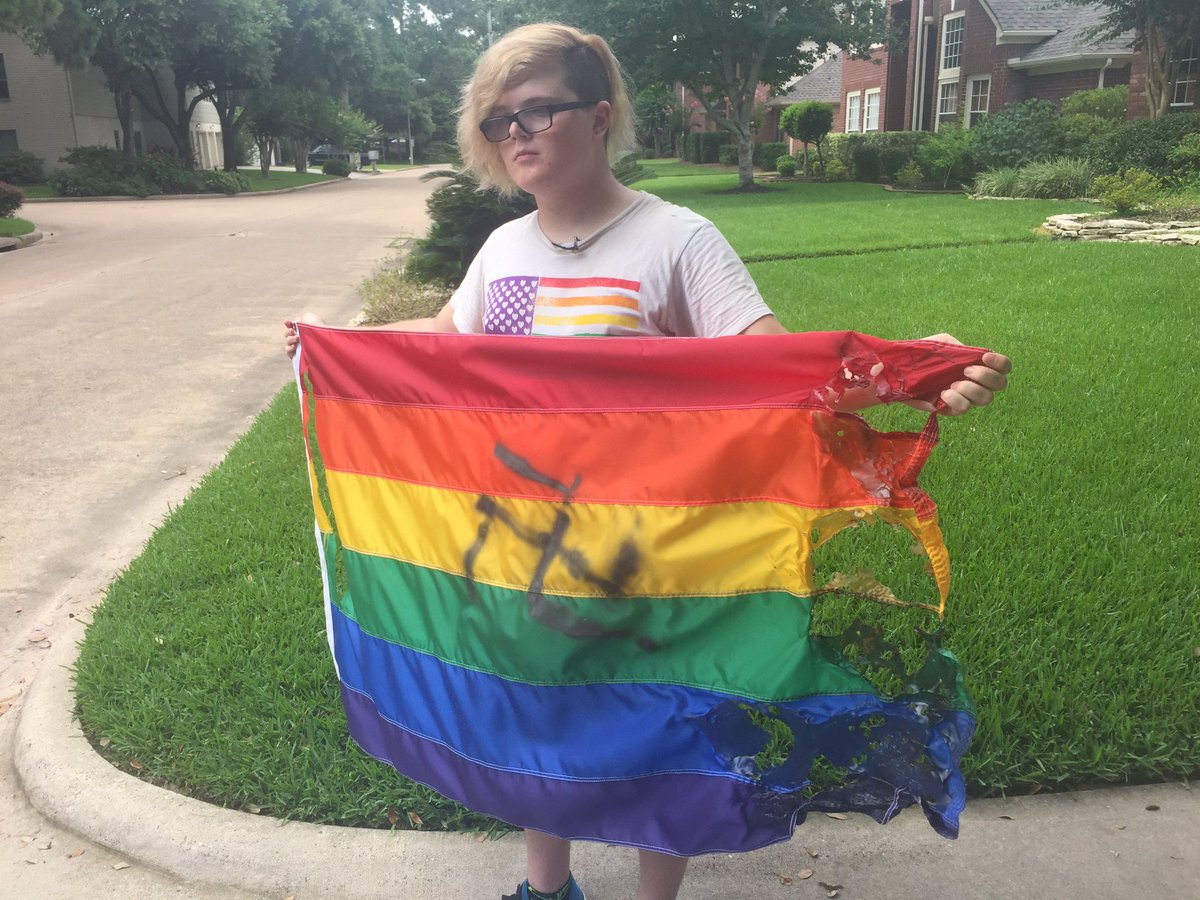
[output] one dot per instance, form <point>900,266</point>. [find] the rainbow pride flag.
<point>579,576</point>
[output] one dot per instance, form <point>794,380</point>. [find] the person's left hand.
<point>979,384</point>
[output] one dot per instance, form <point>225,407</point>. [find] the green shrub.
<point>462,217</point>
<point>835,170</point>
<point>1082,130</point>
<point>1144,144</point>
<point>785,166</point>
<point>728,155</point>
<point>86,183</point>
<point>910,174</point>
<point>1055,179</point>
<point>1186,154</point>
<point>948,154</point>
<point>225,182</point>
<point>1127,190</point>
<point>629,169</point>
<point>21,168</point>
<point>767,153</point>
<point>339,167</point>
<point>997,182</point>
<point>1022,133</point>
<point>892,149</point>
<point>704,146</point>
<point>866,163</point>
<point>167,171</point>
<point>11,199</point>
<point>1103,103</point>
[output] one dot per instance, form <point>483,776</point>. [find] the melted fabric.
<point>574,578</point>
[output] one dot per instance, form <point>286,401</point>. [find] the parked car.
<point>325,152</point>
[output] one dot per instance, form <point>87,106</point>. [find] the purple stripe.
<point>683,814</point>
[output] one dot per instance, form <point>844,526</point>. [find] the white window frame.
<point>946,72</point>
<point>853,126</point>
<point>4,93</point>
<point>1189,75</point>
<point>869,123</point>
<point>973,114</point>
<point>940,117</point>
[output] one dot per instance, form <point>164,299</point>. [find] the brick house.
<point>46,109</point>
<point>966,58</point>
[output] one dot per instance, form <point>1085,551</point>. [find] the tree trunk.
<point>300,151</point>
<point>123,100</point>
<point>745,145</point>
<point>806,159</point>
<point>182,130</point>
<point>264,157</point>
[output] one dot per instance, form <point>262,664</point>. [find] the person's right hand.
<point>292,337</point>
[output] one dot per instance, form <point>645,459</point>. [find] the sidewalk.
<point>1116,843</point>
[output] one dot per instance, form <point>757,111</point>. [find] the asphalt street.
<point>138,339</point>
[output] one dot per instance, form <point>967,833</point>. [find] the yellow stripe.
<point>729,548</point>
<point>552,300</point>
<point>624,320</point>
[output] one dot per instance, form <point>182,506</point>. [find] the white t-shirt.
<point>655,269</point>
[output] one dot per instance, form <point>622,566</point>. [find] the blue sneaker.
<point>569,891</point>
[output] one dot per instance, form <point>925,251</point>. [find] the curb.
<point>20,241</point>
<point>69,783</point>
<point>290,190</point>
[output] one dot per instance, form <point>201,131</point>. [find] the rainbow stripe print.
<point>562,306</point>
<point>580,577</point>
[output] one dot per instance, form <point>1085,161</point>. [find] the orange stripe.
<point>799,456</point>
<point>606,300</point>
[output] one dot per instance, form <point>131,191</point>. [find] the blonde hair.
<point>589,70</point>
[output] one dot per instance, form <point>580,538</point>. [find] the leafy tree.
<point>21,15</point>
<point>653,107</point>
<point>808,122</point>
<point>1162,28</point>
<point>723,51</point>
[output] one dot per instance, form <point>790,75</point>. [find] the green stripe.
<point>752,645</point>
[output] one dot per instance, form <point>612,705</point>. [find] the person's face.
<point>565,151</point>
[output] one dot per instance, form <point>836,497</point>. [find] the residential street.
<point>139,339</point>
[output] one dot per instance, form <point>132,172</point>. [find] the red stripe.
<point>609,373</point>
<point>590,282</point>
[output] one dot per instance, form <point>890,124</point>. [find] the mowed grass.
<point>280,180</point>
<point>1069,508</point>
<point>11,226</point>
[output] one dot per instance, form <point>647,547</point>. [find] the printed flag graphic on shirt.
<point>541,305</point>
<point>578,578</point>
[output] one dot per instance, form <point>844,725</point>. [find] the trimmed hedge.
<point>21,168</point>
<point>704,146</point>
<point>890,151</point>
<point>766,155</point>
<point>1143,144</point>
<point>105,172</point>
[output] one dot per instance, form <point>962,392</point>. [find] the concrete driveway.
<point>137,341</point>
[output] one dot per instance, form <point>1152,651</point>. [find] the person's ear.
<point>602,119</point>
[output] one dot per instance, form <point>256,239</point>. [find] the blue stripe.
<point>588,731</point>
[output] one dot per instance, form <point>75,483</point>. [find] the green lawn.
<point>13,227</point>
<point>1067,507</point>
<point>280,180</point>
<point>36,191</point>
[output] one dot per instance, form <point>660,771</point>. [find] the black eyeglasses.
<point>530,120</point>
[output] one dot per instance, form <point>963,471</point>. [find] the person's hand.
<point>292,337</point>
<point>980,383</point>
